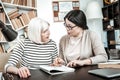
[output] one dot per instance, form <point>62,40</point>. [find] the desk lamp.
<point>8,32</point>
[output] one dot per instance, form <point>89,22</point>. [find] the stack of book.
<point>20,19</point>
<point>113,64</point>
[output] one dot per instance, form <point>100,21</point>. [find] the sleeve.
<point>16,55</point>
<point>99,52</point>
<point>61,48</point>
<point>55,53</point>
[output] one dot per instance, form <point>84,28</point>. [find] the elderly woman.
<point>35,50</point>
<point>81,46</point>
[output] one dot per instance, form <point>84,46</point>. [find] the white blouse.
<point>73,49</point>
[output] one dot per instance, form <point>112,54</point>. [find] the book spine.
<point>108,65</point>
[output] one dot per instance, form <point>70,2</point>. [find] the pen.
<point>78,58</point>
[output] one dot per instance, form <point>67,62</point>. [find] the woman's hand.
<point>23,72</point>
<point>58,62</point>
<point>76,63</point>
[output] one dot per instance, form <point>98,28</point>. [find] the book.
<point>55,70</point>
<point>13,11</point>
<point>109,65</point>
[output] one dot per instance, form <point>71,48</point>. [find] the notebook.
<point>106,72</point>
<point>54,70</point>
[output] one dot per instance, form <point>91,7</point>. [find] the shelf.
<point>21,28</point>
<point>117,44</point>
<point>16,17</point>
<point>3,42</point>
<point>111,22</point>
<point>18,6</point>
<point>112,10</point>
<point>108,3</point>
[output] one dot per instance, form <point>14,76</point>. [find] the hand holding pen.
<point>58,62</point>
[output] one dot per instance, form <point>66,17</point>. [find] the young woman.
<point>35,50</point>
<point>81,46</point>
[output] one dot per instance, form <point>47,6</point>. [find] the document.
<point>55,70</point>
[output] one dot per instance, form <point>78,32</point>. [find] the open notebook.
<point>106,72</point>
<point>53,70</point>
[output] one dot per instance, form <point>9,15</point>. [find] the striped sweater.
<point>29,53</point>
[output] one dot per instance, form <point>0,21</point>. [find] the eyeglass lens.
<point>69,27</point>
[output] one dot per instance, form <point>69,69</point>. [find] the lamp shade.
<point>8,32</point>
<point>94,10</point>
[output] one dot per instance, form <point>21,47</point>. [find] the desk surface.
<point>79,74</point>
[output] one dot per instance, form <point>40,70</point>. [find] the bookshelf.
<point>62,7</point>
<point>16,14</point>
<point>111,22</point>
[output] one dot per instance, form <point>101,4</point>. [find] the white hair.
<point>35,27</point>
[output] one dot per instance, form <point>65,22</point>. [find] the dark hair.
<point>77,17</point>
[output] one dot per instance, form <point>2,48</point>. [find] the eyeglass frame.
<point>69,27</point>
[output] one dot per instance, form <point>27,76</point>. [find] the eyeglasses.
<point>69,27</point>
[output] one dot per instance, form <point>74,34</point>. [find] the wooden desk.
<point>79,74</point>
